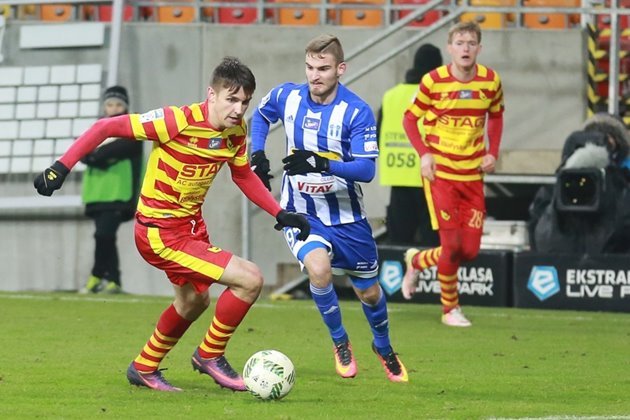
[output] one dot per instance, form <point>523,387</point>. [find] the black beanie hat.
<point>427,58</point>
<point>117,92</point>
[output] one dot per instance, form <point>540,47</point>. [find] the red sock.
<point>170,328</point>
<point>230,311</point>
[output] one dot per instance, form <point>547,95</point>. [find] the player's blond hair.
<point>326,44</point>
<point>463,27</point>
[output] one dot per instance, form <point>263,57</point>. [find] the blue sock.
<point>379,323</point>
<point>328,305</point>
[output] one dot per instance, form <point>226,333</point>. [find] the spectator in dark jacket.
<point>110,192</point>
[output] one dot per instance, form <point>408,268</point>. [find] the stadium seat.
<point>603,21</point>
<point>237,15</point>
<point>550,20</point>
<point>56,12</point>
<point>176,14</point>
<point>424,20</point>
<point>489,20</point>
<point>105,13</point>
<point>297,16</point>
<point>359,17</point>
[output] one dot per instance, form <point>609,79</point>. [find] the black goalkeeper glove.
<point>260,166</point>
<point>305,161</point>
<point>51,179</point>
<point>286,219</point>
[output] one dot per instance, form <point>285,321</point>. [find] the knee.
<point>319,275</point>
<point>191,306</point>
<point>452,255</point>
<point>252,280</point>
<point>469,253</point>
<point>371,295</point>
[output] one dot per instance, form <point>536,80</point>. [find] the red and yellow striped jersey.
<point>455,117</point>
<point>185,160</point>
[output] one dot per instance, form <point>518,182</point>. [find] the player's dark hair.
<point>326,44</point>
<point>233,75</point>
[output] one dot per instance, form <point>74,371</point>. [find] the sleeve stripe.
<point>137,127</point>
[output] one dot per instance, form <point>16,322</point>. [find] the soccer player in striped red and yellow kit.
<point>459,103</point>
<point>191,145</point>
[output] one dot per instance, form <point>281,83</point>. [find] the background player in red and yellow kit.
<point>458,101</point>
<point>191,145</point>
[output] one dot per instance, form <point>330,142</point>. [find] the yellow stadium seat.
<point>56,12</point>
<point>550,20</point>
<point>297,15</point>
<point>176,14</point>
<point>359,17</point>
<point>5,11</point>
<point>489,20</point>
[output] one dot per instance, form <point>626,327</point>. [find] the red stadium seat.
<point>424,20</point>
<point>603,21</point>
<point>105,13</point>
<point>238,15</point>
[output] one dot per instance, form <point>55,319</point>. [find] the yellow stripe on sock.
<point>146,362</point>
<point>219,324</point>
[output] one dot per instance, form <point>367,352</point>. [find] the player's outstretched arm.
<point>52,178</point>
<point>255,191</point>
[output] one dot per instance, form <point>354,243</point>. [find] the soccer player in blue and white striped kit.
<point>331,147</point>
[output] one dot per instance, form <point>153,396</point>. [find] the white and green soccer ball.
<point>269,375</point>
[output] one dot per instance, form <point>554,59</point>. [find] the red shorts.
<point>456,204</point>
<point>183,252</point>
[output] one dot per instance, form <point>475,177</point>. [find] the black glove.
<point>260,166</point>
<point>305,161</point>
<point>285,219</point>
<point>51,179</point>
<point>93,161</point>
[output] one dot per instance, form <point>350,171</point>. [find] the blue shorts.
<point>351,248</point>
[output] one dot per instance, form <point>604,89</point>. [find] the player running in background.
<point>457,101</point>
<point>331,147</point>
<point>192,143</point>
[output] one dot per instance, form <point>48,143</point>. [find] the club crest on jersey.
<point>311,123</point>
<point>465,94</point>
<point>214,143</point>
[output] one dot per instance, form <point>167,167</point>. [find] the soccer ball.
<point>269,375</point>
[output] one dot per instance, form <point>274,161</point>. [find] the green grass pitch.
<point>65,356</point>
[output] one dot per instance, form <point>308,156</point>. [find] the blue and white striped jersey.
<point>342,130</point>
